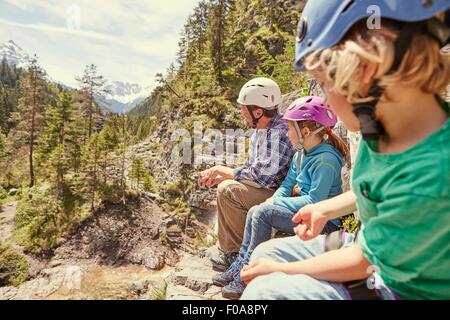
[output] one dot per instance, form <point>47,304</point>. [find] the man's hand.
<point>257,268</point>
<point>311,219</point>
<point>213,176</point>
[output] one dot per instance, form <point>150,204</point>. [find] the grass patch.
<point>13,267</point>
<point>159,292</point>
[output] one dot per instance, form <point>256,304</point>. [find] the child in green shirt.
<point>384,82</point>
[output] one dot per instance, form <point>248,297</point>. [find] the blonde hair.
<point>424,65</point>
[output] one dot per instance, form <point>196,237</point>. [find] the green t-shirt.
<point>404,203</point>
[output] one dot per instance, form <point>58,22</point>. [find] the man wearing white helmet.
<point>268,162</point>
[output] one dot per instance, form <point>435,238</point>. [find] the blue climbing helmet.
<point>324,23</point>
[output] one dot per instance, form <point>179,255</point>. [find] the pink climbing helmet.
<point>311,108</point>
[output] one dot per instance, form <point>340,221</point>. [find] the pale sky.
<point>129,40</point>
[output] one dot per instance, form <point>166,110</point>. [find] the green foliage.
<point>205,240</point>
<point>349,222</point>
<point>9,93</point>
<point>2,143</point>
<point>3,193</point>
<point>176,205</point>
<point>42,219</point>
<point>159,292</point>
<point>13,266</point>
<point>139,173</point>
<point>150,184</point>
<point>29,118</point>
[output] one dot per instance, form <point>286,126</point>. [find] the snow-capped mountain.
<point>121,96</point>
<point>14,54</point>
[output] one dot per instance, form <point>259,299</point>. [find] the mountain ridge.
<point>121,96</point>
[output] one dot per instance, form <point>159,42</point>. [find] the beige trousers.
<point>234,200</point>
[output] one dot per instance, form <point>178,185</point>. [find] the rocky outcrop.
<point>193,280</point>
<point>118,234</point>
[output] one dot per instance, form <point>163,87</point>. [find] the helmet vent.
<point>330,114</point>
<point>427,3</point>
<point>349,4</point>
<point>309,100</point>
<point>302,29</point>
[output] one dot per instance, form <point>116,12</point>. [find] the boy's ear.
<point>368,73</point>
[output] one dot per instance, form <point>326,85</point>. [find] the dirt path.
<point>7,214</point>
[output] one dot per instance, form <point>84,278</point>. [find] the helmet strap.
<point>255,120</point>
<point>371,128</point>
<point>318,130</point>
<point>299,146</point>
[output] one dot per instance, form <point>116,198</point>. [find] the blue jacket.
<point>318,179</point>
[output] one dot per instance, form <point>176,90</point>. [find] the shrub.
<point>3,193</point>
<point>13,267</point>
<point>42,219</point>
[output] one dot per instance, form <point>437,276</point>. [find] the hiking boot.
<point>223,261</point>
<point>228,276</point>
<point>234,290</point>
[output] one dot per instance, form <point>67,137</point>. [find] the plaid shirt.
<point>270,155</point>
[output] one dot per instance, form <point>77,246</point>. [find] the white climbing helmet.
<point>261,92</point>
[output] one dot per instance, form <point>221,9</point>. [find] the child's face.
<point>293,136</point>
<point>339,104</point>
<point>292,133</point>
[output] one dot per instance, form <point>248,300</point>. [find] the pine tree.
<point>125,138</point>
<point>217,32</point>
<point>32,105</point>
<point>9,92</point>
<point>88,182</point>
<point>91,84</point>
<point>108,141</point>
<point>138,171</point>
<point>58,138</point>
<point>2,143</point>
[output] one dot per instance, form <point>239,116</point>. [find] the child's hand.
<point>311,221</point>
<point>258,268</point>
<point>296,191</point>
<point>269,201</point>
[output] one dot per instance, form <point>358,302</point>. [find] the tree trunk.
<point>31,143</point>
<point>91,98</point>
<point>122,182</point>
<point>94,177</point>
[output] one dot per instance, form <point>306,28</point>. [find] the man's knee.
<point>225,188</point>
